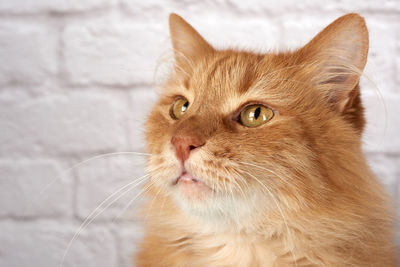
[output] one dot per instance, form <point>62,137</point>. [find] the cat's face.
<point>234,133</point>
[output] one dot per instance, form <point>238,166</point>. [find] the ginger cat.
<point>256,159</point>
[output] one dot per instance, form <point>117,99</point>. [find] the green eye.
<point>178,108</point>
<point>255,115</point>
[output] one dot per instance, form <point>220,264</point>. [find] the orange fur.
<point>296,191</point>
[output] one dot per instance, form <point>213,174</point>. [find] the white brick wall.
<point>76,80</point>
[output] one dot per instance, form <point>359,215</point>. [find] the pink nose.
<point>184,145</point>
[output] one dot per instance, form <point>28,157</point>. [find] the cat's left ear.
<point>187,43</point>
<point>336,58</point>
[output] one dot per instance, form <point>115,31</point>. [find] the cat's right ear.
<point>187,43</point>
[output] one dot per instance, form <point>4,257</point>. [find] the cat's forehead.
<point>230,79</point>
<point>236,70</point>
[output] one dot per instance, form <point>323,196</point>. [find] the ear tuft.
<point>187,43</point>
<point>337,56</point>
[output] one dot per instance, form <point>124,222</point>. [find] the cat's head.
<point>239,133</point>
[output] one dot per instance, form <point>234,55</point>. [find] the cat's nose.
<point>184,145</point>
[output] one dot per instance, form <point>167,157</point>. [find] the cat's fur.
<point>296,191</point>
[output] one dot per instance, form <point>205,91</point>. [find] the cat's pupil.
<point>257,113</point>
<point>184,107</point>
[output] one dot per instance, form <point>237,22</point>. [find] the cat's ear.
<point>186,41</point>
<point>336,58</point>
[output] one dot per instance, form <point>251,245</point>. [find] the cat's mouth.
<point>186,178</point>
<point>190,185</point>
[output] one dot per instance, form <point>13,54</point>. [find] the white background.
<point>77,80</point>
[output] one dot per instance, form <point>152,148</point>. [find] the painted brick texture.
<point>77,79</point>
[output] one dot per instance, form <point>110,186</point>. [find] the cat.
<point>256,160</point>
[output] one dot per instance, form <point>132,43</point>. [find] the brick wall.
<point>77,80</point>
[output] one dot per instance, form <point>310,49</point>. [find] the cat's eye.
<point>179,108</point>
<point>255,115</point>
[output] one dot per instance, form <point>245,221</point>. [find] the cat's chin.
<point>191,187</point>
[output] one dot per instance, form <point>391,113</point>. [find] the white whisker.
<point>86,161</point>
<point>265,169</point>
<point>131,201</point>
<point>151,204</point>
<point>92,216</point>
